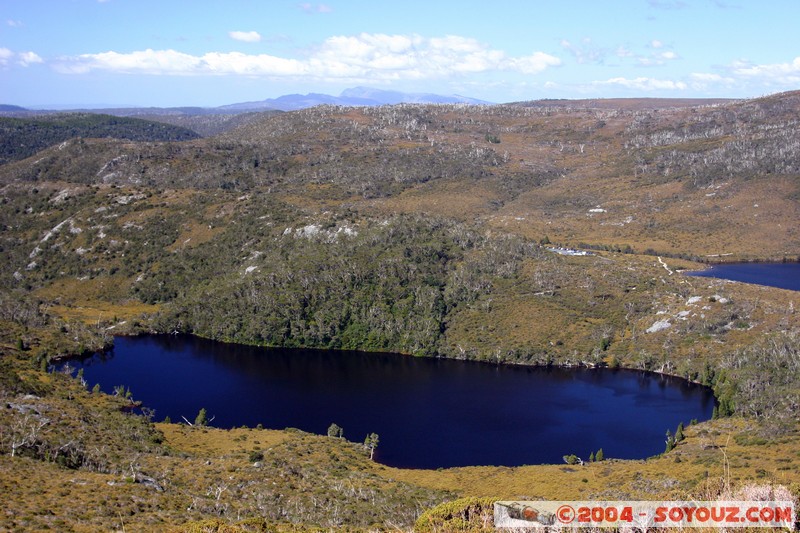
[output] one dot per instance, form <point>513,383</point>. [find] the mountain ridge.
<point>354,96</point>
<point>546,166</point>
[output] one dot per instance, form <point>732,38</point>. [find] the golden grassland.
<point>93,301</point>
<point>714,452</point>
<point>450,198</point>
<point>215,442</point>
<point>318,198</point>
<point>715,456</point>
<point>642,217</point>
<point>195,234</point>
<point>670,217</point>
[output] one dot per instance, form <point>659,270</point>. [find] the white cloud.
<point>532,64</point>
<point>702,81</point>
<point>5,56</point>
<point>725,5</point>
<point>645,84</point>
<point>361,57</point>
<point>740,74</point>
<point>315,8</point>
<point>657,57</point>
<point>29,58</point>
<point>23,58</point>
<point>586,51</point>
<point>749,77</point>
<point>655,60</point>
<point>245,36</point>
<point>784,73</point>
<point>172,62</point>
<point>14,23</point>
<point>667,4</point>
<point>623,51</point>
<point>706,77</point>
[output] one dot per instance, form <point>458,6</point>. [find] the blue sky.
<point>204,53</point>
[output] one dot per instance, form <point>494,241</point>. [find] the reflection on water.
<point>429,413</point>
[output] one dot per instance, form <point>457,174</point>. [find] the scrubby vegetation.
<point>465,514</point>
<point>206,123</point>
<point>418,229</point>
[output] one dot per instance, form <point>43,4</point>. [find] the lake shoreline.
<point>432,398</point>
<point>582,364</point>
<point>780,275</point>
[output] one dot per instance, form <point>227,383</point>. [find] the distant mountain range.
<point>356,96</point>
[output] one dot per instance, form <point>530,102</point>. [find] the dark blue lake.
<point>429,413</point>
<point>781,275</point>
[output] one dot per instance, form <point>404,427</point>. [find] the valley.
<point>412,228</point>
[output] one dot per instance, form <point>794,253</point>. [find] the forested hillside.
<point>207,123</point>
<point>692,181</point>
<point>23,137</point>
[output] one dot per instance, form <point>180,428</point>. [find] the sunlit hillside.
<point>427,230</point>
